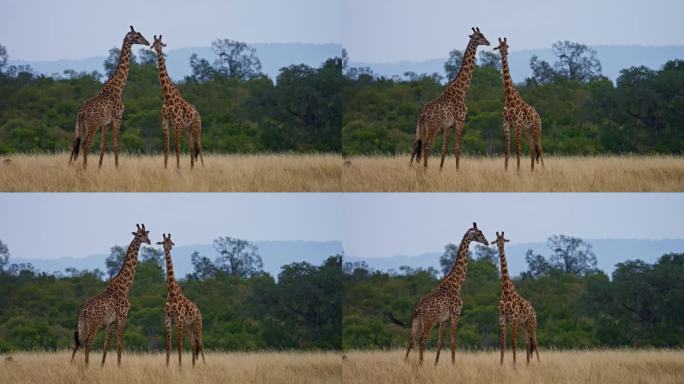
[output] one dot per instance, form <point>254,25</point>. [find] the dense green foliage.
<point>641,113</point>
<point>299,112</point>
<point>640,305</point>
<point>301,310</point>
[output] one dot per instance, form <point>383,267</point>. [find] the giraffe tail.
<point>77,142</point>
<point>420,139</point>
<point>77,342</point>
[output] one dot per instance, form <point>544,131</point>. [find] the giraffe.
<point>443,304</point>
<point>111,305</point>
<point>520,115</point>
<point>515,310</point>
<point>106,107</point>
<point>181,311</point>
<point>177,112</point>
<point>448,110</point>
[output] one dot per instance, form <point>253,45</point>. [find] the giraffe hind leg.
<point>416,326</point>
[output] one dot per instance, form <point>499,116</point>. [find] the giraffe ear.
<point>133,30</point>
<point>506,240</point>
<point>134,233</point>
<point>160,242</point>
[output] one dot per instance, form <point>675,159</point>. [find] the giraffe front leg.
<point>108,338</point>
<point>116,130</point>
<point>120,328</point>
<point>442,326</point>
<point>457,144</point>
<point>502,333</point>
<point>179,342</point>
<point>507,143</point>
<point>169,330</point>
<point>177,125</point>
<point>191,144</point>
<point>103,144</point>
<point>453,333</point>
<point>514,327</point>
<point>444,146</point>
<point>517,145</point>
<point>165,132</point>
<point>193,345</point>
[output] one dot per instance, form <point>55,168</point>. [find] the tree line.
<point>243,110</point>
<point>243,307</point>
<point>577,305</point>
<point>583,112</point>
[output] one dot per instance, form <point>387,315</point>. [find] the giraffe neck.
<point>456,275</point>
<point>116,84</point>
<point>170,279</point>
<point>509,89</point>
<point>459,86</point>
<point>164,79</point>
<point>506,285</point>
<point>124,279</point>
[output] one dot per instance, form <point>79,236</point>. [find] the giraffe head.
<point>500,239</point>
<point>157,44</point>
<point>503,47</point>
<point>142,234</point>
<point>135,37</point>
<point>478,37</point>
<point>474,234</point>
<point>167,243</point>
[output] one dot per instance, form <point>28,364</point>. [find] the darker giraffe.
<point>449,109</point>
<point>515,310</point>
<point>520,115</point>
<point>177,112</point>
<point>106,108</point>
<point>111,305</point>
<point>181,312</point>
<point>444,304</point>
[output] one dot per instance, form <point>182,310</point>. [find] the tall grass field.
<point>221,173</point>
<point>253,367</point>
<point>556,367</point>
<point>560,174</point>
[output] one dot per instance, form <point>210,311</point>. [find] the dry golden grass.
<point>611,366</point>
<point>561,174</point>
<point>221,173</point>
<point>265,367</point>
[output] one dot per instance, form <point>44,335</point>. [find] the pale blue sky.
<point>385,224</point>
<point>395,30</point>
<point>51,225</point>
<point>49,30</point>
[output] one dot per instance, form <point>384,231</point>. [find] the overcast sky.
<point>394,30</point>
<point>385,224</point>
<point>73,29</point>
<point>36,225</point>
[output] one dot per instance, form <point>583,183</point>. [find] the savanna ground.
<point>560,174</point>
<point>598,366</point>
<point>253,367</point>
<point>221,173</point>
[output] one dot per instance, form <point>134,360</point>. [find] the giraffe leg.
<point>424,335</point>
<point>103,144</point>
<point>416,325</point>
<point>177,126</point>
<point>197,133</point>
<point>77,343</point>
<point>197,327</point>
<point>165,131</point>
<point>457,144</point>
<point>453,334</point>
<point>116,130</point>
<point>414,150</point>
<point>86,145</point>
<point>444,146</point>
<point>538,145</point>
<point>533,338</point>
<point>502,333</point>
<point>517,145</point>
<point>107,341</point>
<point>179,342</point>
<point>92,332</point>
<point>514,327</point>
<point>193,345</point>
<point>526,335</point>
<point>120,328</point>
<point>507,143</point>
<point>442,326</point>
<point>169,330</point>
<point>427,146</point>
<point>191,145</point>
<point>532,150</point>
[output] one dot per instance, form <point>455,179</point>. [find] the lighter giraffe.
<point>514,309</point>
<point>444,304</point>
<point>448,110</point>
<point>178,112</point>
<point>110,305</point>
<point>520,115</point>
<point>106,108</point>
<point>180,311</point>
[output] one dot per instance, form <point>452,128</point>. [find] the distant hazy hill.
<point>608,253</point>
<point>273,253</point>
<point>613,58</point>
<point>273,56</point>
